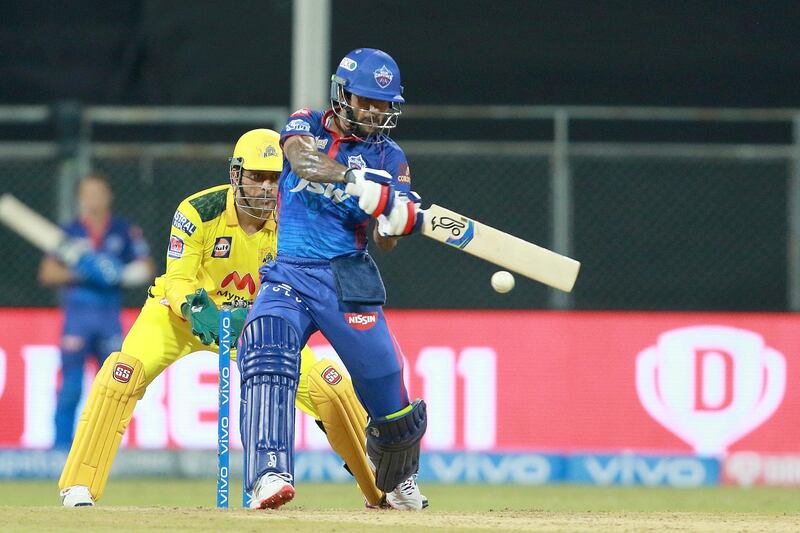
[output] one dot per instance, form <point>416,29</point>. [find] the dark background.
<point>450,52</point>
<point>653,233</point>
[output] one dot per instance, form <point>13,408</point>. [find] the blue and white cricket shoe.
<point>407,496</point>
<point>272,491</point>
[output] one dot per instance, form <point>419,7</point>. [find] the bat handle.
<point>71,250</point>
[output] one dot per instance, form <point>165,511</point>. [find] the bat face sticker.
<point>454,226</point>
<point>461,231</point>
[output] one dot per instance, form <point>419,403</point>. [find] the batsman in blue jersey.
<point>89,291</point>
<point>322,279</point>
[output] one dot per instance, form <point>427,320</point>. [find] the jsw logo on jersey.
<point>239,282</point>
<point>361,321</point>
<point>328,190</point>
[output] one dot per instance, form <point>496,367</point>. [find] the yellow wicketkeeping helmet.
<point>256,150</point>
<point>259,150</point>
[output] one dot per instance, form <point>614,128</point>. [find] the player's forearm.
<point>386,244</point>
<point>176,291</point>
<point>54,274</point>
<point>310,164</point>
<point>138,272</point>
<point>181,280</point>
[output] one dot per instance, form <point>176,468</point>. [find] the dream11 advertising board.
<point>599,397</point>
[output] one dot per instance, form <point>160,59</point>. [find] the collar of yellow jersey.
<point>232,219</point>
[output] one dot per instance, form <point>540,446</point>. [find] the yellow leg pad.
<point>119,384</point>
<point>345,420</point>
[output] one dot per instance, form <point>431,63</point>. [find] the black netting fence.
<point>652,232</point>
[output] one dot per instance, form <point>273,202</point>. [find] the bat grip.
<point>71,250</point>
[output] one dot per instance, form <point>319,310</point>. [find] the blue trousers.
<point>88,332</point>
<point>303,292</point>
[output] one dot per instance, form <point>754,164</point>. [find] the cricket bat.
<point>500,248</point>
<point>495,246</point>
<point>37,230</point>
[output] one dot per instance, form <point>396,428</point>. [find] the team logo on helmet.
<point>356,161</point>
<point>270,152</point>
<point>348,64</point>
<point>383,76</point>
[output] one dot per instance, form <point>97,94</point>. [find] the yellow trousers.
<point>159,337</point>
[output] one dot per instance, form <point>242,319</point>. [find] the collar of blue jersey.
<point>326,118</point>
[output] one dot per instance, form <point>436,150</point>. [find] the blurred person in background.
<point>90,291</point>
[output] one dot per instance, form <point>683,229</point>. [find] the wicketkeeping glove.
<point>203,316</point>
<point>373,188</point>
<point>406,216</point>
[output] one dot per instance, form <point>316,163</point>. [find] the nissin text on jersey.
<point>298,125</point>
<point>181,222</point>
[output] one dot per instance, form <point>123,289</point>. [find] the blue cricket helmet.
<point>369,73</point>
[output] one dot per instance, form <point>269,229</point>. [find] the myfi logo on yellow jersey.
<point>239,282</point>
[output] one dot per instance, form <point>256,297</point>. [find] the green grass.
<point>193,493</point>
<point>170,505</point>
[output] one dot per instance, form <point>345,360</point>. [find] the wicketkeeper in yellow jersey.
<point>219,239</point>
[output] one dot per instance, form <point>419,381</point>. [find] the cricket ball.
<point>502,281</point>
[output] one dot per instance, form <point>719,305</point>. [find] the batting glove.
<point>373,188</point>
<point>405,218</point>
<point>99,269</point>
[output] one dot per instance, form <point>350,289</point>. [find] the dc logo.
<point>122,372</point>
<point>383,76</point>
<point>356,161</point>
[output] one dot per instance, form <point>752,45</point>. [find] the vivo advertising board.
<point>604,397</point>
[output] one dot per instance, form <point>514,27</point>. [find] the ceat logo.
<point>240,283</point>
<point>361,321</point>
<point>331,375</point>
<point>710,385</point>
<point>222,247</point>
<point>122,372</point>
